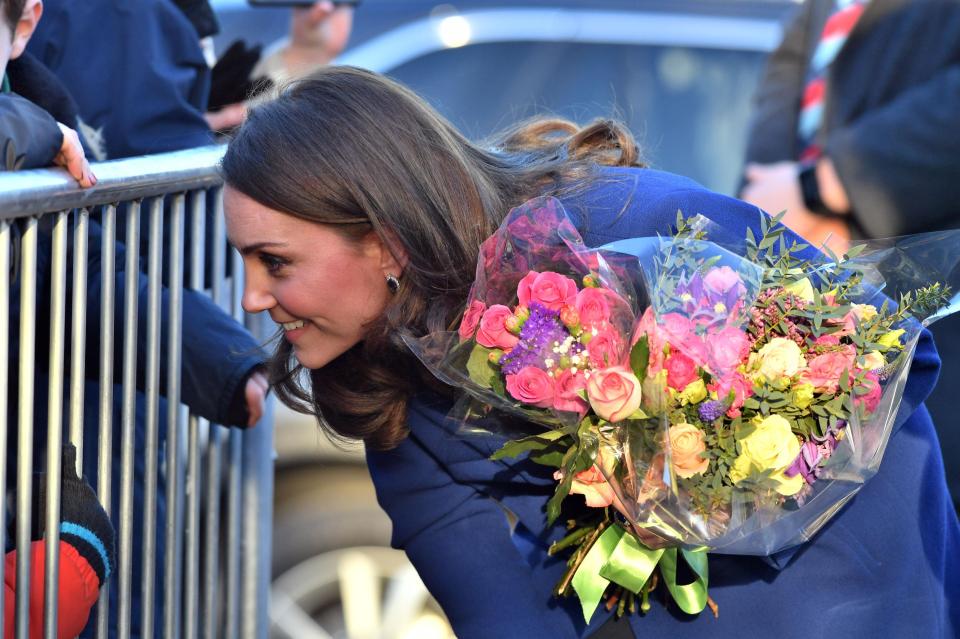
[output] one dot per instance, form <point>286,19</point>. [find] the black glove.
<point>230,81</point>
<point>84,523</point>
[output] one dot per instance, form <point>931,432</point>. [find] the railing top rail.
<point>39,191</point>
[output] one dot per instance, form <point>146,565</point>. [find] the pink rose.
<point>648,326</point>
<point>550,289</point>
<point>592,307</point>
<point>827,339</point>
<point>680,332</point>
<point>723,279</point>
<point>871,398</point>
<point>566,386</point>
<point>471,318</point>
<point>681,370</point>
<point>741,387</point>
<point>823,371</point>
<point>614,393</point>
<point>493,332</point>
<point>726,350</point>
<point>531,386</point>
<point>592,485</point>
<point>606,348</point>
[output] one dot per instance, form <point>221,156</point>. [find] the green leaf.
<point>517,447</point>
<point>640,357</point>
<point>479,367</point>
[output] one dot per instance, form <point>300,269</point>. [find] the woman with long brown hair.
<point>360,211</point>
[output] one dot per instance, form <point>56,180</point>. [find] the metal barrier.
<point>218,481</point>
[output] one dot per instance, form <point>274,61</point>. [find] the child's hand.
<point>72,158</point>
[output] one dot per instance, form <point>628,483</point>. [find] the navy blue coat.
<point>887,565</point>
<point>135,69</point>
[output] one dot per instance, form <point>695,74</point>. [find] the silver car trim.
<point>398,46</point>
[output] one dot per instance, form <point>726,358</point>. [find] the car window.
<point>688,107</point>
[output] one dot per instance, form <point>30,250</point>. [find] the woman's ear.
<point>391,254</point>
<point>27,24</point>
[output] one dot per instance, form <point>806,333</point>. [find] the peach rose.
<point>614,393</point>
<point>686,444</point>
<point>566,386</point>
<point>550,289</point>
<point>592,485</point>
<point>871,397</point>
<point>493,332</point>
<point>531,386</point>
<point>471,318</point>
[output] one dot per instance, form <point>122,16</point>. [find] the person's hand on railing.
<point>72,158</point>
<point>256,395</point>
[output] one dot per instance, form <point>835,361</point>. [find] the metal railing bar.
<point>108,258</point>
<point>58,312</point>
<point>174,538</point>
<point>45,190</point>
<point>78,333</point>
<point>215,445</point>
<point>28,310</point>
<point>194,472</point>
<point>128,422</point>
<point>154,276</point>
<point>5,275</point>
<point>235,478</point>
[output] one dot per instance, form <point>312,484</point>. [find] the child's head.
<point>19,19</point>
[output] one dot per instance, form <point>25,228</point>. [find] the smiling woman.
<point>322,286</point>
<point>348,183</point>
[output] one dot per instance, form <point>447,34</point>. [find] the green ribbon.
<point>587,581</point>
<point>619,557</point>
<point>5,87</point>
<point>631,564</point>
<point>692,597</point>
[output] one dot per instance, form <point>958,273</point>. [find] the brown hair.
<point>358,151</point>
<point>12,12</point>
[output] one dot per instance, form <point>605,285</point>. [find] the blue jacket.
<point>887,565</point>
<point>135,69</point>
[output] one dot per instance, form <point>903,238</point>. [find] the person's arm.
<point>899,164</point>
<point>27,132</point>
<point>772,133</point>
<point>459,540</point>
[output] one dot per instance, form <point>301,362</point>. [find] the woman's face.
<point>320,287</point>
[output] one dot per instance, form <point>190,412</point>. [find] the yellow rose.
<point>780,357</point>
<point>771,446</point>
<point>695,392</point>
<point>872,361</point>
<point>686,444</point>
<point>891,339</point>
<point>802,395</point>
<point>801,288</point>
<point>863,312</point>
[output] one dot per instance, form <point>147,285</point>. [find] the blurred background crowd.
<point>842,112</point>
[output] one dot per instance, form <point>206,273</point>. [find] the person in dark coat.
<point>135,69</point>
<point>32,136</point>
<point>855,133</point>
<point>360,213</point>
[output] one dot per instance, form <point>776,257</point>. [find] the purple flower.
<point>711,411</point>
<point>813,454</point>
<point>537,338</point>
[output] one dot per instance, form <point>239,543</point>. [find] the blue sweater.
<point>888,564</point>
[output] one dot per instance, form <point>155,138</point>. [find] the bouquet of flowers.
<point>703,393</point>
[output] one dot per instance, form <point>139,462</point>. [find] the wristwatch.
<point>810,191</point>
